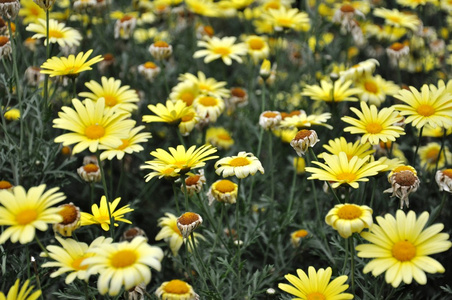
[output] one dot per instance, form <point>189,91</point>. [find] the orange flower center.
<point>425,110</point>
<point>94,132</point>
<point>397,46</point>
<point>346,176</point>
<point>66,150</point>
<point>448,173</point>
<point>302,134</point>
<point>432,155</point>
<point>187,97</point>
<point>123,259</point>
<point>273,5</point>
<point>177,287</point>
<point>192,180</point>
<point>223,51</point>
<point>394,19</point>
<point>270,114</point>
<point>301,233</point>
<point>90,168</point>
<point>4,185</point>
<point>150,65</point>
<point>76,264</point>
<point>126,18</point>
<point>224,136</point>
<point>405,178</point>
<point>110,100</point>
<point>349,212</point>
<point>374,128</point>
<point>3,40</point>
<point>225,186</point>
<point>109,57</point>
<point>161,44</point>
<point>168,171</point>
<point>188,218</point>
<point>187,117</point>
<point>371,87</point>
<point>209,30</point>
<point>208,101</point>
<point>285,22</point>
<point>347,8</point>
<point>26,216</point>
<point>55,34</point>
<point>238,92</point>
<point>403,251</point>
<point>315,296</point>
<point>256,44</point>
<point>69,213</point>
<point>239,162</point>
<point>124,145</point>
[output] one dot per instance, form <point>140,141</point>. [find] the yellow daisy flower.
<point>171,113</point>
<point>181,160</point>
<point>338,169</point>
<point>100,214</point>
<point>129,145</point>
<point>207,86</point>
<point>209,107</point>
<point>70,256</point>
<point>316,285</point>
<point>160,170</point>
<point>92,126</point>
<point>188,122</point>
<point>12,114</point>
<point>429,156</point>
<point>115,95</point>
<point>351,149</point>
<point>23,293</point>
<point>206,8</point>
<point>342,91</point>
<point>431,106</point>
<point>258,47</point>
<point>186,91</point>
<point>287,18</point>
<point>375,125</point>
<point>240,165</point>
<point>219,137</point>
<point>362,69</point>
<point>25,211</point>
<point>401,247</point>
<point>374,89</point>
<point>124,264</point>
<point>224,191</point>
<point>69,66</point>
<point>171,234</point>
<point>176,290</point>
<point>31,12</point>
<point>436,131</point>
<point>58,33</point>
<point>349,218</point>
<point>302,120</point>
<point>224,48</point>
<point>398,19</point>
<point>414,3</point>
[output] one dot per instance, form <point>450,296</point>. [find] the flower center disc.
<point>349,212</point>
<point>90,168</point>
<point>347,177</point>
<point>223,51</point>
<point>239,162</point>
<point>110,100</point>
<point>26,216</point>
<point>373,128</point>
<point>371,87</point>
<point>448,173</point>
<point>188,98</point>
<point>7,185</point>
<point>403,251</point>
<point>95,131</point>
<point>208,101</point>
<point>225,186</point>
<point>76,264</point>
<point>188,218</point>
<point>3,40</point>
<point>192,180</point>
<point>125,144</point>
<point>55,34</point>
<point>432,155</point>
<point>69,214</point>
<point>256,44</point>
<point>425,110</point>
<point>224,136</point>
<point>270,114</point>
<point>177,287</point>
<point>123,259</point>
<point>316,296</point>
<point>301,233</point>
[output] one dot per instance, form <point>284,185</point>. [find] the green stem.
<point>41,246</point>
<point>184,184</point>
<point>176,198</point>
<point>165,80</point>
<point>239,247</point>
<point>439,153</point>
<point>374,185</point>
<point>438,212</point>
<point>181,138</point>
<point>352,262</point>
<point>27,253</point>
<point>417,147</point>
<point>270,151</point>
<point>38,280</point>
<point>261,133</point>
<point>46,77</point>
<point>292,189</point>
<point>104,185</point>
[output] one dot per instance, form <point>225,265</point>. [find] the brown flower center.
<point>188,218</point>
<point>403,251</point>
<point>397,46</point>
<point>302,134</point>
<point>69,213</point>
<point>150,65</point>
<point>347,8</point>
<point>238,92</point>
<point>270,114</point>
<point>448,173</point>
<point>192,180</point>
<point>108,57</point>
<point>3,40</point>
<point>90,168</point>
<point>405,178</point>
<point>177,287</point>
<point>349,212</point>
<point>126,18</point>
<point>4,185</point>
<point>161,44</point>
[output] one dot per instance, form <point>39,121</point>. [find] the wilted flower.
<point>71,220</point>
<point>188,222</point>
<point>403,183</point>
<point>303,140</point>
<point>444,180</point>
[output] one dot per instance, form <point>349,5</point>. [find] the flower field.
<point>230,149</point>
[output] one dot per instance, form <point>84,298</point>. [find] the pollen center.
<point>403,251</point>
<point>315,296</point>
<point>177,287</point>
<point>346,176</point>
<point>225,186</point>
<point>208,101</point>
<point>238,92</point>
<point>371,87</point>
<point>95,131</point>
<point>223,51</point>
<point>432,155</point>
<point>69,213</point>
<point>224,136</point>
<point>90,168</point>
<point>405,178</point>
<point>188,98</point>
<point>425,110</point>
<point>3,40</point>
<point>26,216</point>
<point>5,185</point>
<point>285,22</point>
<point>374,128</point>
<point>161,44</point>
<point>239,162</point>
<point>76,264</point>
<point>397,46</point>
<point>256,44</point>
<point>124,145</point>
<point>150,65</point>
<point>192,180</point>
<point>188,218</point>
<point>349,212</point>
<point>447,172</point>
<point>110,100</point>
<point>270,114</point>
<point>302,134</point>
<point>123,259</point>
<point>347,8</point>
<point>188,117</point>
<point>55,34</point>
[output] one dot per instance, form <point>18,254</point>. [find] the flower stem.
<point>104,184</point>
<point>292,189</point>
<point>46,77</point>
<point>352,262</point>
<point>261,133</point>
<point>41,246</point>
<point>270,153</point>
<point>439,153</point>
<point>176,199</point>
<point>239,247</point>
<point>417,146</point>
<point>38,281</point>
<point>184,184</point>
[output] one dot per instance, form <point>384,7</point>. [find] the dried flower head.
<point>303,140</point>
<point>5,46</point>
<point>444,180</point>
<point>9,8</point>
<point>71,220</point>
<point>224,191</point>
<point>33,76</point>
<point>403,182</point>
<point>297,236</point>
<point>269,119</point>
<point>132,233</point>
<point>124,27</point>
<point>188,222</point>
<point>149,70</point>
<point>90,172</point>
<point>161,50</point>
<point>194,183</point>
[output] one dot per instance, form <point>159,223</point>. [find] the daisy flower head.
<point>160,50</point>
<point>58,33</point>
<point>188,222</point>
<point>240,165</point>
<point>324,92</point>
<point>430,105</point>
<point>114,94</point>
<point>91,126</point>
<point>431,158</point>
<point>444,180</point>
<point>349,218</point>
<point>269,119</point>
<point>22,212</point>
<point>362,69</point>
<point>401,246</point>
<point>186,91</point>
<point>149,70</point>
<point>9,9</point>
<point>101,217</point>
<point>22,293</point>
<point>162,171</point>
<point>5,47</point>
<point>338,170</point>
<point>285,18</point>
<point>257,47</point>
<point>224,48</point>
<point>71,65</point>
<point>207,85</point>
<point>404,181</point>
<point>351,149</point>
<point>176,289</point>
<point>303,140</point>
<point>181,160</point>
<point>69,257</point>
<point>125,264</point>
<point>316,285</point>
<point>303,120</point>
<point>297,236</point>
<point>194,182</point>
<point>219,137</point>
<point>171,234</point>
<point>374,89</point>
<point>206,8</point>
<point>209,107</point>
<point>129,145</point>
<point>71,219</point>
<point>397,18</point>
<point>374,125</point>
<point>224,191</point>
<point>171,113</point>
<point>188,122</point>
